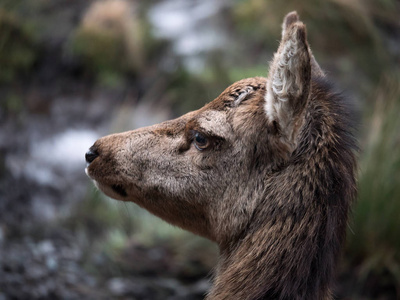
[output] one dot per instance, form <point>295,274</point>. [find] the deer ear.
<point>288,85</point>
<point>289,20</point>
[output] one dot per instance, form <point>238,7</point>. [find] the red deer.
<point>266,170</point>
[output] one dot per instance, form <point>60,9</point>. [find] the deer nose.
<point>91,155</point>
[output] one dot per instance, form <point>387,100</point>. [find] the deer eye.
<point>200,141</point>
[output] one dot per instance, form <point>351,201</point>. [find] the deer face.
<point>202,171</point>
<point>185,170</point>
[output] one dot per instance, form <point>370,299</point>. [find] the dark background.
<point>72,71</point>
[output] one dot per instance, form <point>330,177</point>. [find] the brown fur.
<point>272,188</point>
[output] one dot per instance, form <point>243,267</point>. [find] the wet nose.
<point>91,155</point>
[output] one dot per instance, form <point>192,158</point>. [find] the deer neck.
<point>289,249</point>
<point>274,262</point>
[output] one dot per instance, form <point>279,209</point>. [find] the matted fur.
<point>271,181</point>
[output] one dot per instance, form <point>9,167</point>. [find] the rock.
<point>36,272</point>
<point>118,286</point>
<point>45,248</point>
<point>51,264</point>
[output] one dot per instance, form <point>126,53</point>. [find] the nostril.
<point>91,155</point>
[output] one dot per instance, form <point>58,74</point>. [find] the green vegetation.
<point>335,28</point>
<point>101,52</point>
<point>374,241</point>
<point>110,228</point>
<point>18,46</point>
<point>110,41</point>
<point>12,103</point>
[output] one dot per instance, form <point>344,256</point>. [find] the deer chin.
<point>115,191</point>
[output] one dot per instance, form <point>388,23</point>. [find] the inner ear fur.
<point>289,79</point>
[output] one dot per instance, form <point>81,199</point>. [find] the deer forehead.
<point>214,122</point>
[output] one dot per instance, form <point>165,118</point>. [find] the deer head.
<point>257,170</point>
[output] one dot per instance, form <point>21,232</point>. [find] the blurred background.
<point>72,71</point>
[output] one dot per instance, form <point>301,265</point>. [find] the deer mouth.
<point>119,189</point>
<point>116,191</point>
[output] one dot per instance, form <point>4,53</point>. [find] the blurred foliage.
<point>18,46</point>
<point>110,41</point>
<point>335,27</point>
<point>12,103</point>
<point>188,91</point>
<point>374,242</point>
<point>113,229</point>
<point>191,91</point>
